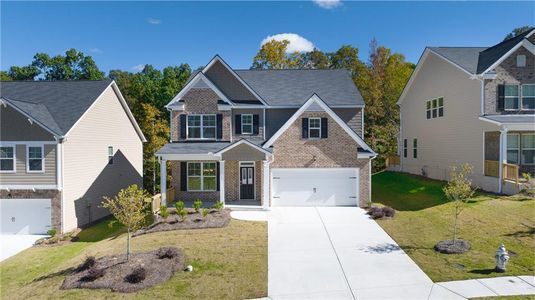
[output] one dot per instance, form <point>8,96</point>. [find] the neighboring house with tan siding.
<point>263,138</point>
<point>63,146</point>
<point>472,105</point>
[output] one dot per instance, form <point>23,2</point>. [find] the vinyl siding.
<point>353,118</point>
<point>14,126</point>
<point>257,137</point>
<point>455,138</point>
<point>22,177</point>
<point>243,153</point>
<point>87,175</point>
<point>228,83</point>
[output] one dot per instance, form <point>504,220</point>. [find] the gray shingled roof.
<point>192,148</point>
<point>517,118</point>
<point>55,104</point>
<point>295,87</point>
<point>492,54</point>
<point>464,57</point>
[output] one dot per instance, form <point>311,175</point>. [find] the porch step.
<point>245,207</point>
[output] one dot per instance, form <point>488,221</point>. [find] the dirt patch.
<point>193,220</point>
<point>449,247</point>
<point>114,272</point>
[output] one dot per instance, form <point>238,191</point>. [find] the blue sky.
<point>123,35</point>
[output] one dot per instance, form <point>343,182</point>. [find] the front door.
<point>247,182</point>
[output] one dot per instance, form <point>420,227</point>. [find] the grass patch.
<point>229,263</point>
<point>105,229</point>
<point>424,217</point>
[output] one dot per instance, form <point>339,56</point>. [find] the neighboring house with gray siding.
<point>472,105</point>
<point>265,138</point>
<point>63,146</point>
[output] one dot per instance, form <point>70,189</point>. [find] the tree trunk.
<point>455,226</point>
<point>128,246</point>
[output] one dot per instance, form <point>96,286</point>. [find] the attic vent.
<point>520,60</point>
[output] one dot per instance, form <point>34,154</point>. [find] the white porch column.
<point>503,156</point>
<point>265,184</point>
<point>222,181</point>
<point>163,180</point>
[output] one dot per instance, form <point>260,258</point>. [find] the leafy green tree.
<point>346,57</point>
<point>517,31</point>
<point>74,65</point>
<point>23,73</point>
<point>5,76</point>
<point>316,59</point>
<point>272,55</point>
<point>129,207</point>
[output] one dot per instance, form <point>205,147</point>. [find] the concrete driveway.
<point>339,253</point>
<point>11,244</point>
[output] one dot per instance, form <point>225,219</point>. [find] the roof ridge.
<point>68,80</point>
<point>457,46</point>
<point>519,37</point>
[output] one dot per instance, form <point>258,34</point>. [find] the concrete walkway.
<point>340,253</point>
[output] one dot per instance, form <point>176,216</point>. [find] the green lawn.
<point>229,263</point>
<point>424,217</point>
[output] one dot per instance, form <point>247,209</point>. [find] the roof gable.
<point>193,83</point>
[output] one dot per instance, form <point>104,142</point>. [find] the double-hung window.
<point>528,149</point>
<point>201,126</point>
<point>415,148</point>
<point>7,159</point>
<point>247,124</point>
<point>528,96</point>
<point>34,159</point>
<point>405,147</point>
<point>202,176</point>
<point>110,155</point>
<point>434,108</point>
<point>314,128</point>
<point>511,96</point>
<point>513,148</point>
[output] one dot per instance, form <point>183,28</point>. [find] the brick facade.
<point>508,73</point>
<point>339,150</point>
<point>185,195</point>
<point>54,195</point>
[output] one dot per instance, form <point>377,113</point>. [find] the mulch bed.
<point>194,220</point>
<point>117,269</point>
<point>448,247</point>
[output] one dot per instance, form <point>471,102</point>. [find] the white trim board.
<point>192,83</point>
<point>316,99</point>
<point>524,43</point>
<point>243,141</point>
<point>5,101</point>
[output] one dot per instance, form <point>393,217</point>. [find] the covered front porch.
<point>236,174</point>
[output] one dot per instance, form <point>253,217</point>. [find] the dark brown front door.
<point>246,182</point>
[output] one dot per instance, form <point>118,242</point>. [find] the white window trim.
<point>521,145</point>
<point>431,109</point>
<point>310,128</point>
<point>14,147</point>
<point>28,159</point>
<point>415,148</point>
<point>519,98</point>
<point>201,127</point>
<point>517,148</point>
<point>405,148</point>
<point>200,176</point>
<point>110,156</point>
<point>242,123</point>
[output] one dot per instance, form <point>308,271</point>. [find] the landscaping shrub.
<point>179,205</point>
<point>205,212</point>
<point>183,214</point>
<point>218,206</point>
<point>197,205</point>
<point>89,262</point>
<point>167,253</point>
<point>377,214</point>
<point>93,274</point>
<point>373,209</point>
<point>52,232</point>
<point>164,213</point>
<point>388,211</point>
<point>138,275</point>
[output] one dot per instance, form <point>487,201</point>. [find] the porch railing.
<point>510,171</point>
<point>392,160</point>
<point>157,199</point>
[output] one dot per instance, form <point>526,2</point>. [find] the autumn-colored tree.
<point>272,55</point>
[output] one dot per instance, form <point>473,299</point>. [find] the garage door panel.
<point>25,216</point>
<point>315,187</point>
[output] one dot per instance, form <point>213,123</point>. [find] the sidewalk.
<point>492,287</point>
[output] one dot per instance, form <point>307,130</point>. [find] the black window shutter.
<point>183,176</point>
<point>304,126</point>
<point>324,128</point>
<point>237,124</point>
<point>217,176</point>
<point>255,124</point>
<point>501,97</point>
<point>183,121</point>
<point>219,118</point>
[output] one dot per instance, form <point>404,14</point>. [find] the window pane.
<point>528,157</point>
<point>209,169</point>
<point>428,105</point>
<point>6,152</point>
<point>434,113</point>
<point>208,133</point>
<point>434,103</point>
<point>6,165</point>
<point>110,151</point>
<point>512,141</point>
<point>511,103</point>
<point>528,90</point>
<point>440,101</point>
<point>314,123</point>
<point>209,184</point>
<point>35,152</point>
<point>314,133</point>
<point>194,169</point>
<point>512,156</point>
<point>528,141</point>
<point>528,102</point>
<point>511,90</point>
<point>247,128</point>
<point>208,120</point>
<point>247,119</point>
<point>194,120</point>
<point>194,132</point>
<point>429,114</point>
<point>194,183</point>
<point>35,164</point>
<point>441,112</point>
<point>415,143</point>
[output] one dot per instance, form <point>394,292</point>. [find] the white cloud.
<point>96,50</point>
<point>328,4</point>
<point>154,21</point>
<point>138,68</point>
<point>297,42</point>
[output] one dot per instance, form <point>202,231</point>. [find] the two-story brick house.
<point>268,137</point>
<point>472,105</point>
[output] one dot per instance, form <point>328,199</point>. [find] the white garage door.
<point>25,216</point>
<point>315,187</point>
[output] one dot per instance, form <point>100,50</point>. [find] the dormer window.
<point>520,61</point>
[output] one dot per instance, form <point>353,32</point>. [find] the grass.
<point>424,217</point>
<point>229,263</point>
